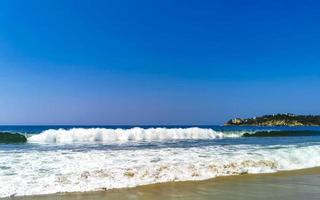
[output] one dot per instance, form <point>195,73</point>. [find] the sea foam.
<point>45,169</point>
<point>124,135</point>
<point>43,172</point>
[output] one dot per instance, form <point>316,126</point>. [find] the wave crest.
<point>12,138</point>
<point>124,135</point>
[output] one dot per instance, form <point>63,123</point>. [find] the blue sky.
<point>157,62</point>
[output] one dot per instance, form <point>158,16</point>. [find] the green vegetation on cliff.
<point>277,120</point>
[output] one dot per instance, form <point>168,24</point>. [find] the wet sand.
<point>291,185</point>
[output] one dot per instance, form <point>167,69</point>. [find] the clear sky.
<point>157,62</point>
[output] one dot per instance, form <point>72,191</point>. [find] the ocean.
<point>59,159</point>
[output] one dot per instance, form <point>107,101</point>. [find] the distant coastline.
<point>277,120</point>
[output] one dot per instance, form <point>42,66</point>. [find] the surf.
<point>83,135</point>
<point>92,170</point>
<point>124,135</point>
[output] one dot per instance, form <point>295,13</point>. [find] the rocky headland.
<point>277,120</point>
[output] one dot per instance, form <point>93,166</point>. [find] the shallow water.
<point>294,185</point>
<point>84,159</point>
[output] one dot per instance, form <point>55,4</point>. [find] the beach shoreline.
<point>280,185</point>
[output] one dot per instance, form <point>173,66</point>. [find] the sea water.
<point>90,158</point>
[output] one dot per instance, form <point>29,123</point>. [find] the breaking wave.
<point>124,135</point>
<point>82,135</point>
<point>81,168</point>
<point>12,138</point>
<point>72,171</point>
<point>151,134</point>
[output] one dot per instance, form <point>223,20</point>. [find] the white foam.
<point>124,135</point>
<point>43,172</point>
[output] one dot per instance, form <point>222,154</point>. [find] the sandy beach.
<point>159,100</point>
<point>298,184</point>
